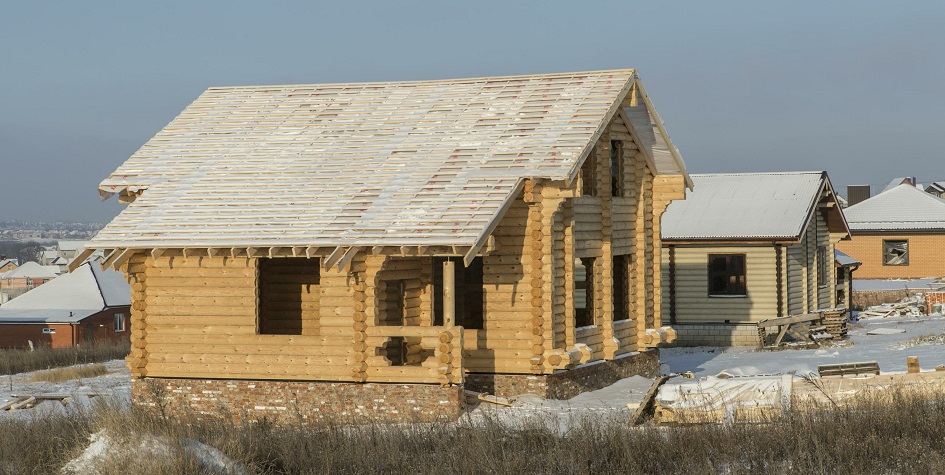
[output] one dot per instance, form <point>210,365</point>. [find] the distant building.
<point>746,247</point>
<point>936,188</point>
<point>70,249</point>
<point>78,308</point>
<point>6,265</point>
<point>22,279</point>
<point>899,233</point>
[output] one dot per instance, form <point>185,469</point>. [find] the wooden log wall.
<point>508,333</point>
<point>137,358</point>
<point>201,322</point>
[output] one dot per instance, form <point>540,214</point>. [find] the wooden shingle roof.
<point>427,163</point>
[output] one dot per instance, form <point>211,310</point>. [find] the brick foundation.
<point>567,384</point>
<point>716,334</point>
<point>295,401</point>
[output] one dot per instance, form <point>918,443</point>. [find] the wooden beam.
<point>157,252</point>
<point>348,256</point>
<point>334,257</point>
<point>86,252</point>
<point>122,258</point>
<point>449,294</point>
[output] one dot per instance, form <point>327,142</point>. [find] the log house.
<point>331,246</point>
<point>745,247</point>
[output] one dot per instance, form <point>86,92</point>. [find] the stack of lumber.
<point>835,322</point>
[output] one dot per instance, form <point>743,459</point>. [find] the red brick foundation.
<point>570,383</point>
<point>295,401</point>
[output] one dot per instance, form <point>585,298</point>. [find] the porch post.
<point>449,294</point>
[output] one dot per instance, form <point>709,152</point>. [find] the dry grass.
<point>899,433</point>
<point>21,361</point>
<point>68,373</point>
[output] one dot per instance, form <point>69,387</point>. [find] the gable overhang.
<point>643,119</point>
<point>826,201</point>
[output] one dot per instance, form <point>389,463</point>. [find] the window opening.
<point>727,275</point>
<point>583,291</point>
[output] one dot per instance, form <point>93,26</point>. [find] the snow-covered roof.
<point>71,245</point>
<point>746,206</point>
<point>424,163</point>
<point>29,270</point>
<point>902,208</point>
<point>70,297</point>
<point>844,260</point>
<point>4,262</point>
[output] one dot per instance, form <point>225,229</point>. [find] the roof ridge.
<point>629,72</point>
<point>808,172</point>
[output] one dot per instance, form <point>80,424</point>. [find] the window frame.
<point>710,273</point>
<point>119,322</point>
<point>621,287</point>
<point>886,261</point>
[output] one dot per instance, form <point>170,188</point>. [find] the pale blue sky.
<point>855,88</point>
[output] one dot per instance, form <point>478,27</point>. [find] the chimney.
<point>857,194</point>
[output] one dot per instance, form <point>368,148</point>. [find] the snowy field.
<point>920,336</point>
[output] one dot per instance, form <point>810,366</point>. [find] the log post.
<point>912,363</point>
<point>449,294</point>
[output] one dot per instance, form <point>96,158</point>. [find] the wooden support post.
<point>912,363</point>
<point>449,294</point>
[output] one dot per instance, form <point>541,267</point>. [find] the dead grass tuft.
<point>21,361</point>
<point>68,373</point>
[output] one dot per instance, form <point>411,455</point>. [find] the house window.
<point>589,175</point>
<point>49,331</point>
<point>616,168</point>
<point>468,292</point>
<point>621,266</point>
<point>895,253</point>
<point>727,275</point>
<point>822,266</point>
<point>583,292</point>
<point>288,295</point>
<point>119,322</point>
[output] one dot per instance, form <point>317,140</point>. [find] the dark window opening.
<point>394,314</point>
<point>288,295</point>
<point>468,292</point>
<point>621,266</point>
<point>895,253</point>
<point>727,275</point>
<point>616,168</point>
<point>583,291</point>
<point>589,176</point>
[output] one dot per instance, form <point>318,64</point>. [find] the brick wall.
<point>570,383</point>
<point>296,401</point>
<point>926,258</point>
<point>716,334</point>
<point>96,327</point>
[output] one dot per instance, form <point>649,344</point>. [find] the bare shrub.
<point>21,361</point>
<point>68,373</point>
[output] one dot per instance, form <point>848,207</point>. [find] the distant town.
<point>41,231</point>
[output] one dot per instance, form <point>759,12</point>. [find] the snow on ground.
<point>116,384</point>
<point>889,350</point>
